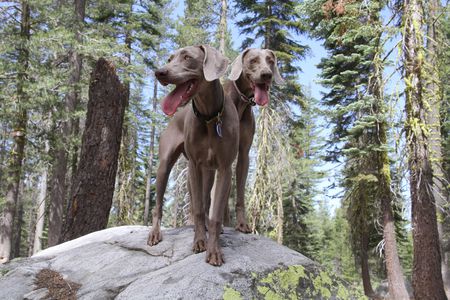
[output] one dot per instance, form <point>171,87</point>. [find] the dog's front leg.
<point>214,254</point>
<point>208,182</point>
<point>195,180</point>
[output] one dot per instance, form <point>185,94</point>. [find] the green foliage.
<point>197,24</point>
<point>332,237</point>
<point>299,195</point>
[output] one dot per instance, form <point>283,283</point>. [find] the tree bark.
<point>94,182</point>
<point>280,215</point>
<point>268,33</point>
<point>19,223</point>
<point>69,128</point>
<point>397,287</point>
<point>223,26</point>
<point>3,152</point>
<point>40,216</point>
<point>427,277</point>
<point>365,272</point>
<point>125,160</point>
<point>31,228</point>
<point>434,97</point>
<point>148,186</point>
<point>18,134</point>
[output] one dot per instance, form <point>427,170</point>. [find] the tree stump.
<point>93,188</point>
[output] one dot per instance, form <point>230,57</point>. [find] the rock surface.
<point>116,263</point>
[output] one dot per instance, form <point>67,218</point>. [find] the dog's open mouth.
<point>179,96</point>
<point>261,93</point>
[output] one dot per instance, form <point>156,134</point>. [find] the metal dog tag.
<point>219,129</point>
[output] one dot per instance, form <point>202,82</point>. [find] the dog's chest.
<point>209,150</point>
<point>206,153</point>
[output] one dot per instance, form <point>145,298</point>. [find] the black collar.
<point>244,98</point>
<point>208,119</point>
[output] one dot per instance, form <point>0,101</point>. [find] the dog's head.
<point>257,68</point>
<point>187,68</point>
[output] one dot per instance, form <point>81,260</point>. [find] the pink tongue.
<point>261,94</point>
<point>171,102</point>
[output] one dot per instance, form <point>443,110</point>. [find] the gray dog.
<point>210,133</point>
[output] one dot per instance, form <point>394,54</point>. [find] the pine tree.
<point>444,74</point>
<point>433,94</point>
<point>353,73</point>
<point>68,127</point>
<point>197,25</point>
<point>299,195</point>
<point>427,278</point>
<point>18,132</point>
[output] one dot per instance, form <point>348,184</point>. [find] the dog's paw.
<point>154,237</point>
<point>243,227</point>
<point>215,258</point>
<point>199,246</point>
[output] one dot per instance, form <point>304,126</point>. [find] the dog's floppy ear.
<point>276,76</point>
<point>236,66</point>
<point>215,64</point>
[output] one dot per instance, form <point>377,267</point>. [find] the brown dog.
<point>210,131</point>
<point>251,76</point>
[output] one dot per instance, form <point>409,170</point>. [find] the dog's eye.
<point>170,59</point>
<point>254,60</point>
<point>270,61</point>
<point>187,57</point>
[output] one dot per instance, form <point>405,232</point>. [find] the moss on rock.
<point>231,294</point>
<point>296,282</point>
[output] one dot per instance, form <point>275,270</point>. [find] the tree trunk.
<point>19,223</point>
<point>148,186</point>
<point>40,216</point>
<point>125,159</point>
<point>427,277</point>
<point>58,192</point>
<point>434,97</point>
<point>59,173</point>
<point>268,32</point>
<point>31,229</point>
<point>280,215</point>
<point>397,287</point>
<point>3,137</point>
<point>365,272</point>
<point>94,182</point>
<point>19,132</point>
<point>223,26</point>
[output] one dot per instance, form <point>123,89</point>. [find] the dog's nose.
<point>161,72</point>
<point>266,76</point>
